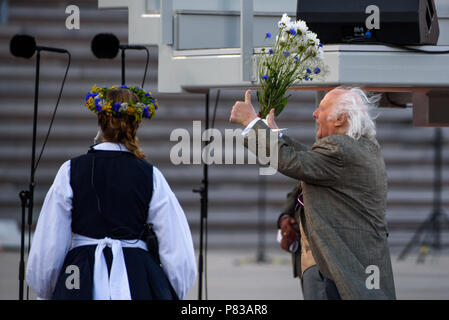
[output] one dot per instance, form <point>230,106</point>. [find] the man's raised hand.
<point>243,111</point>
<point>270,120</point>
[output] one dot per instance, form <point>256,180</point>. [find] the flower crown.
<point>97,101</point>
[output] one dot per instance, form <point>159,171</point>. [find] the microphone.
<point>24,46</point>
<point>107,45</point>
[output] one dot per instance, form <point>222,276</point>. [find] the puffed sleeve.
<point>173,233</point>
<point>53,236</point>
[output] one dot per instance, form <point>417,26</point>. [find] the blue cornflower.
<point>292,32</point>
<point>296,58</point>
<point>320,45</point>
<point>307,78</point>
<point>286,53</point>
<point>123,86</point>
<point>146,113</point>
<point>116,106</point>
<point>97,105</point>
<point>268,35</point>
<point>265,77</point>
<point>270,51</point>
<point>147,94</point>
<point>368,34</point>
<point>309,71</point>
<point>317,70</point>
<point>91,95</point>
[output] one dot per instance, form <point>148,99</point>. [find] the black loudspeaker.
<point>403,22</point>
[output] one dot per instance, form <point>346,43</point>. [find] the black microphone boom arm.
<point>58,50</point>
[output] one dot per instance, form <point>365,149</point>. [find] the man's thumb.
<point>270,116</point>
<point>248,96</point>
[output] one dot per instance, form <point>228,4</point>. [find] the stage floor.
<point>235,275</point>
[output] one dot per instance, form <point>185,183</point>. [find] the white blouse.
<point>53,236</point>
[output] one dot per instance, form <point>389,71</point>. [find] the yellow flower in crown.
<point>97,102</point>
<point>96,89</point>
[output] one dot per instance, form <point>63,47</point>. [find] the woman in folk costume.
<point>97,230</point>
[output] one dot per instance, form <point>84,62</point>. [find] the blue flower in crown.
<point>268,35</point>
<point>265,77</point>
<point>116,106</point>
<point>90,95</point>
<point>292,32</point>
<point>308,71</point>
<point>123,86</point>
<point>146,113</point>
<point>317,70</point>
<point>98,107</point>
<point>270,51</point>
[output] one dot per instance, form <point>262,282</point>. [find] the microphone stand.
<point>123,48</point>
<point>261,257</point>
<point>123,66</point>
<point>203,191</point>
<point>27,196</point>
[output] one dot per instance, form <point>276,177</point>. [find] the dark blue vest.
<point>111,194</point>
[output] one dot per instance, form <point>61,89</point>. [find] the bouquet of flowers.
<point>296,56</point>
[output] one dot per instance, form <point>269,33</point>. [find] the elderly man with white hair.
<point>336,213</point>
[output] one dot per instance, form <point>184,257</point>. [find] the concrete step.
<point>235,238</point>
<point>240,199</point>
<point>15,168</point>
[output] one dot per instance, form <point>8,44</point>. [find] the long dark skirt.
<point>147,280</point>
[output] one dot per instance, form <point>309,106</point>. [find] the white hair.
<point>358,107</point>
